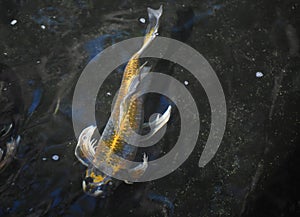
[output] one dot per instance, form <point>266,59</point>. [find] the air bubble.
<point>13,22</point>
<point>55,157</point>
<point>259,74</point>
<point>142,20</point>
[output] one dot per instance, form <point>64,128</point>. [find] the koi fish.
<point>10,119</point>
<point>11,149</point>
<point>126,119</point>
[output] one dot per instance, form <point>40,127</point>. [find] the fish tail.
<point>152,28</point>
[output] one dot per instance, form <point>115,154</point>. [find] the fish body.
<point>125,122</point>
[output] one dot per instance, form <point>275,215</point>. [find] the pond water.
<point>253,46</point>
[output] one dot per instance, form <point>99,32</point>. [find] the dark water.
<point>256,169</point>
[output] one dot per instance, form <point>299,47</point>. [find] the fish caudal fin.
<point>151,32</point>
<point>154,16</point>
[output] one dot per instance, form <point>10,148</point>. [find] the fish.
<point>125,120</point>
<point>10,115</point>
<point>11,149</point>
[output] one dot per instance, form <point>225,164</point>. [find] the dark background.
<point>256,169</point>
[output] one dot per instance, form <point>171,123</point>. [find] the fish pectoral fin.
<point>140,169</point>
<point>158,123</point>
<point>79,155</point>
<point>86,147</point>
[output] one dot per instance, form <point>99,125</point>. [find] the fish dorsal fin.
<point>133,90</point>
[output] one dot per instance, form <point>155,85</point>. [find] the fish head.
<point>97,184</point>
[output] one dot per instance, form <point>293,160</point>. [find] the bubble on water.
<point>186,83</point>
<point>55,157</point>
<point>13,22</point>
<point>108,93</point>
<point>5,54</point>
<point>142,20</point>
<point>259,74</point>
<point>43,26</point>
<point>38,61</point>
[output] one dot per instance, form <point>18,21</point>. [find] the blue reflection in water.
<point>162,199</point>
<point>164,103</point>
<point>85,204</point>
<point>199,16</point>
<point>83,4</point>
<point>37,95</point>
<point>52,18</point>
<point>15,205</point>
<point>56,197</point>
<point>2,212</point>
<point>95,46</point>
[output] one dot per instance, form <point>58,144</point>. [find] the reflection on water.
<point>252,45</point>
